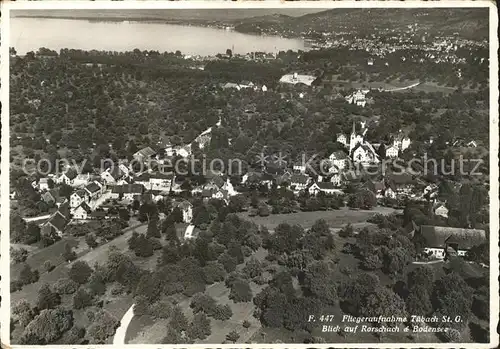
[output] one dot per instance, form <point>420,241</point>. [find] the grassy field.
<point>334,218</point>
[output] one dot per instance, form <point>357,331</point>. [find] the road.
<point>121,331</point>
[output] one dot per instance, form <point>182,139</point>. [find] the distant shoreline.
<point>193,22</point>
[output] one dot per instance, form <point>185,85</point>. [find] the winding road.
<point>121,331</point>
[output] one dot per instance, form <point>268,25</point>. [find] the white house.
<point>77,198</point>
<point>364,154</point>
<point>299,182</point>
<point>341,138</point>
<point>127,191</point>
<point>81,180</point>
<point>43,184</point>
<point>336,179</point>
<point>442,211</point>
<point>299,168</point>
<point>66,177</point>
<point>187,210</point>
<point>82,212</point>
<point>324,187</point>
<point>338,159</point>
<point>391,152</point>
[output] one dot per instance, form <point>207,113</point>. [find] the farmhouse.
<point>442,242</point>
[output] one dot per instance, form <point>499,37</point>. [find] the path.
<point>402,88</point>
<point>119,337</point>
<point>38,218</point>
<point>429,262</point>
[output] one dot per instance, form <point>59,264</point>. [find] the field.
<point>335,218</point>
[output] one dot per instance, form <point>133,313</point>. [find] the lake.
<point>29,34</point>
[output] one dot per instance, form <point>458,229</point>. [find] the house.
<point>341,138</point>
<point>323,187</point>
<point>77,198</point>
<point>376,187</point>
<point>441,210</point>
<point>57,222</point>
<point>338,159</point>
<point>299,182</point>
<point>221,194</point>
<point>43,184</point>
<point>189,233</point>
<point>94,190</point>
<point>111,175</point>
<point>442,242</point>
<point>391,152</point>
<point>82,212</point>
<point>299,168</point>
<point>66,177</point>
<point>336,179</point>
<point>127,191</point>
<point>81,180</point>
<point>187,210</point>
<point>357,98</point>
<point>364,154</point>
<point>401,184</point>
<point>144,154</point>
<point>155,181</point>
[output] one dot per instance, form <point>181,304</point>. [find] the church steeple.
<point>353,128</point>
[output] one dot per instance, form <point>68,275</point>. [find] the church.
<point>360,150</point>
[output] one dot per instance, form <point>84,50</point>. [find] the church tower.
<point>352,142</point>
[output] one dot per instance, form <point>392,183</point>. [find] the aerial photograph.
<point>250,176</point>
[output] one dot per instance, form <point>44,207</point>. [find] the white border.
<point>268,4</point>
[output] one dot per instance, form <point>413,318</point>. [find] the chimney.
<point>320,178</point>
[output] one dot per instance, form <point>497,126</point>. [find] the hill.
<point>469,23</point>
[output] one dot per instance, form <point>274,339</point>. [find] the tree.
<point>240,291</point>
<point>383,302</point>
<point>246,324</point>
<point>69,255</point>
<point>233,336</point>
<point>203,303</point>
<point>237,203</point>
<point>28,276</point>
<point>47,299</point>
<point>372,262</point>
<point>65,286</point>
<point>144,247</point>
<point>18,255</point>
<point>315,282</point>
<point>452,336</point>
<point>80,272</point>
<point>82,299</point>
<point>103,326</point>
<point>222,312</point>
<point>200,327</point>
<point>153,230</point>
<point>418,301</point>
<point>96,283</point>
<point>423,276</point>
<point>90,240</point>
<point>174,337</point>
<point>263,210</point>
<point>252,268</point>
<point>396,260</point>
<point>32,234</point>
<point>363,199</point>
<point>23,313</point>
<point>214,272</point>
<point>229,262</point>
<point>178,320</point>
<point>47,327</point>
<point>453,297</point>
